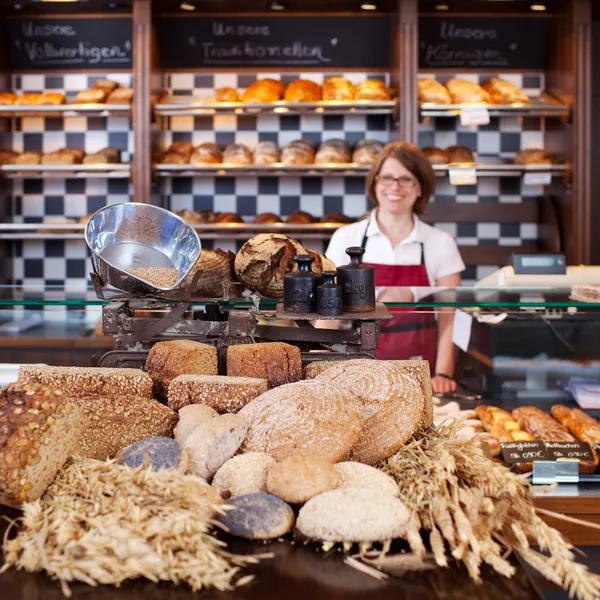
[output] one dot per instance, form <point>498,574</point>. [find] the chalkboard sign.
<point>483,43</point>
<point>523,452</point>
<point>230,42</point>
<point>69,43</point>
<point>578,450</point>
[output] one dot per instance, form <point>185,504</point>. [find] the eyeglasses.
<point>403,181</point>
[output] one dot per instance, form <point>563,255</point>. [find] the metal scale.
<point>140,314</point>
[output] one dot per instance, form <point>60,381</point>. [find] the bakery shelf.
<point>537,108</point>
<point>64,110</point>
<point>277,170</point>
<point>97,171</point>
<point>501,169</point>
<point>189,106</point>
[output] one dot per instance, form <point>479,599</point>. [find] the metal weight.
<point>300,288</point>
<point>329,296</point>
<point>357,282</point>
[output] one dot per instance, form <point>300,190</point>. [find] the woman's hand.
<point>442,385</point>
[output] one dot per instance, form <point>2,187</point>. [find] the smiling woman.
<point>406,254</point>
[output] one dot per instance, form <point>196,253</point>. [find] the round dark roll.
<point>267,218</point>
<point>436,156</point>
<point>335,218</point>
<point>228,218</point>
<point>300,217</point>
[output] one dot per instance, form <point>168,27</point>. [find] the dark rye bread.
<point>276,362</point>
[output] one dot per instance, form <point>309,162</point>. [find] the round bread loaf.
<point>226,94</point>
<point>355,474</point>
<point>300,217</point>
<point>436,156</point>
<point>306,417</point>
<point>366,151</point>
<point>267,218</point>
<point>216,268</point>
<point>459,154</point>
<point>353,515</point>
<point>302,90</point>
<point>264,259</point>
<point>298,478</point>
<point>243,474</point>
<point>207,154</point>
<point>392,404</point>
<point>191,417</point>
<point>266,153</point>
<point>372,89</point>
<point>432,92</point>
<point>258,517</point>
<point>156,452</point>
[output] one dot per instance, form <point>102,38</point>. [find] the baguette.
<point>490,415</point>
<point>582,426</point>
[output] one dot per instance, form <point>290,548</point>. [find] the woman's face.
<point>396,187</point>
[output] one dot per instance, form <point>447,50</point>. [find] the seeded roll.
<point>39,429</point>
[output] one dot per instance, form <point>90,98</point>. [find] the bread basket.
<point>122,237</point>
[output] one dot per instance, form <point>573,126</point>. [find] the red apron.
<point>410,333</point>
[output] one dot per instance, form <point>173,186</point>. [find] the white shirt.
<point>441,252</point>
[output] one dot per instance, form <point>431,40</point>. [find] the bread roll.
<point>237,154</point>
<point>8,157</point>
<point>28,99</point>
<point>299,152</point>
<point>93,96</point>
<point>52,98</point>
<point>338,89</point>
<point>167,360</point>
<point>533,156</point>
<point>175,158</point>
<point>335,218</point>
<point>459,154</point>
<point>264,90</point>
<point>306,417</point>
<point>264,259</point>
<point>7,98</point>
<point>216,268</point>
<point>120,96</point>
<point>300,217</point>
<point>266,153</point>
<point>302,90</point>
<point>463,91</point>
<point>207,154</point>
<point>504,92</point>
<point>106,156</point>
<point>276,362</point>
<point>366,151</point>
<point>29,157</point>
<point>223,394</point>
<point>436,156</point>
<point>228,217</point>
<point>432,92</point>
<point>226,94</point>
<point>243,474</point>
<point>184,148</point>
<point>105,84</point>
<point>267,219</point>
<point>40,428</point>
<point>333,151</point>
<point>59,158</point>
<point>372,89</point>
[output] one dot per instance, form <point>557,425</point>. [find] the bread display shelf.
<point>187,106</point>
<point>109,171</point>
<point>536,108</point>
<point>501,169</point>
<point>279,170</point>
<point>64,110</point>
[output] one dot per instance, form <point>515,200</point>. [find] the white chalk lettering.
<point>449,31</point>
<point>31,29</point>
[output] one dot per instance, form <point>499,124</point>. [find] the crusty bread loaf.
<point>276,362</point>
<point>39,429</point>
<point>107,85</point>
<point>207,154</point>
<point>264,90</point>
<point>7,157</point>
<point>266,153</point>
<point>314,369</point>
<point>264,259</point>
<point>118,421</point>
<point>338,89</point>
<point>433,92</point>
<point>29,157</point>
<point>392,405</point>
<point>436,156</point>
<point>307,417</point>
<point>217,274</point>
<point>226,94</point>
<point>420,372</point>
<point>167,360</point>
<point>372,89</point>
<point>366,151</point>
<point>52,98</point>
<point>302,90</point>
<point>90,381</point>
<point>463,90</point>
<point>223,394</point>
<point>7,98</point>
<point>120,96</point>
<point>502,91</point>
<point>333,151</point>
<point>459,154</point>
<point>28,98</point>
<point>93,96</point>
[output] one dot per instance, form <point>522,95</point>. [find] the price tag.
<point>463,175</point>
<point>474,115</point>
<point>577,450</point>
<point>536,178</point>
<point>461,331</point>
<point>523,452</point>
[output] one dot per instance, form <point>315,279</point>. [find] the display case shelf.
<point>97,171</point>
<point>206,107</point>
<point>64,110</point>
<point>276,170</point>
<point>500,168</point>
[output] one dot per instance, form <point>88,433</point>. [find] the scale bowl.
<point>127,236</point>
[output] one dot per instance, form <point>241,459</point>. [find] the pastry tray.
<point>381,313</point>
<point>188,105</point>
<point>537,107</point>
<point>225,170</point>
<point>64,110</point>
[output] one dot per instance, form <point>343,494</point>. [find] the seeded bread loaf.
<point>118,421</point>
<point>89,381</point>
<point>276,362</point>
<point>168,360</point>
<point>39,429</point>
<point>223,394</point>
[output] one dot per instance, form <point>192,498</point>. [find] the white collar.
<point>373,228</point>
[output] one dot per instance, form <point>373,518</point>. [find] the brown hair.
<point>414,161</point>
